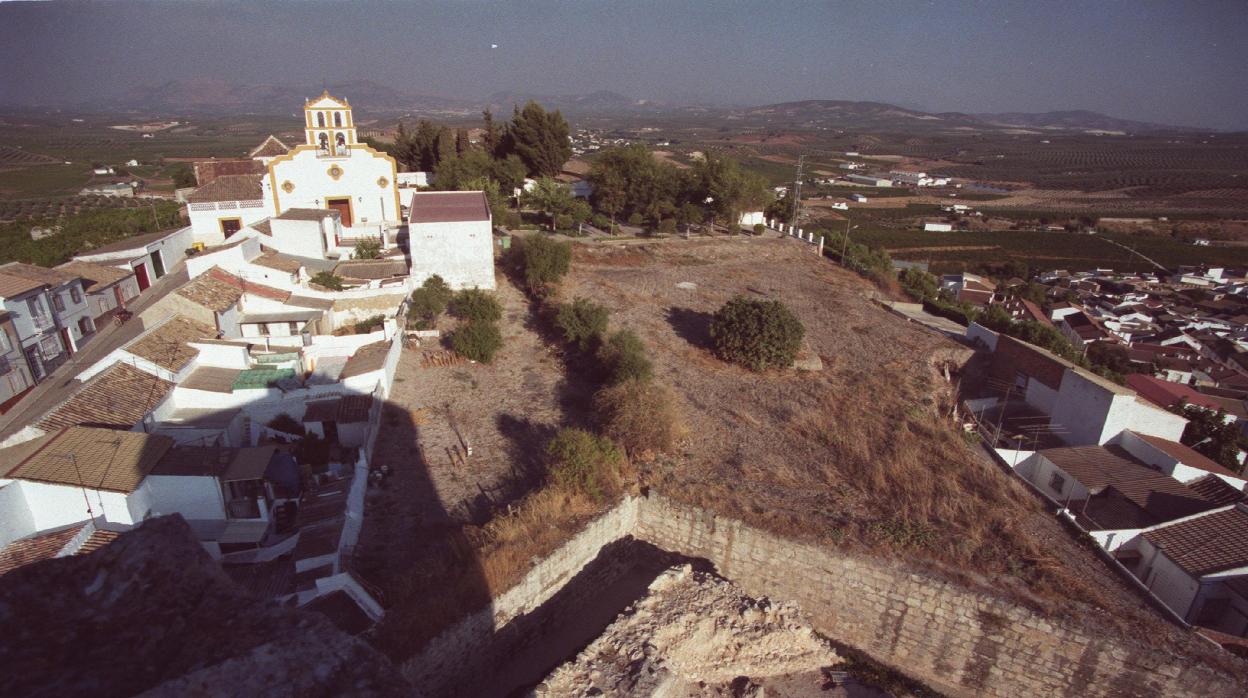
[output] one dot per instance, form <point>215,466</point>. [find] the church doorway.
<point>342,206</point>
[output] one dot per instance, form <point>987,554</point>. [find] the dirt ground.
<point>862,454</point>
<point>441,406</point>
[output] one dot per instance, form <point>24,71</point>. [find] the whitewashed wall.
<point>16,520</point>
<point>461,253</point>
<point>228,259</point>
<point>194,497</point>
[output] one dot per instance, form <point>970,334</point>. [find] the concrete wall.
<point>1167,580</point>
<point>195,498</point>
<point>55,506</point>
<point>461,253</point>
<point>1039,471</point>
<point>229,259</point>
<point>1082,407</point>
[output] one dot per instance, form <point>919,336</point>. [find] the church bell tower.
<point>329,125</point>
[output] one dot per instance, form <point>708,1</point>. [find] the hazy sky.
<point>1183,62</point>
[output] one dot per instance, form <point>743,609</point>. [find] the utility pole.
<point>797,189</point>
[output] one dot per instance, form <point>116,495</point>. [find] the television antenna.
<point>797,189</point>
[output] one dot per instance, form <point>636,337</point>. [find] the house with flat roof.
<point>150,256</point>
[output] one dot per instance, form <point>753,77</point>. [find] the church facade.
<point>330,170</point>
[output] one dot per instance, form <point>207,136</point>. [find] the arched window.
<point>320,119</point>
<point>338,119</point>
<point>341,144</point>
<point>324,140</point>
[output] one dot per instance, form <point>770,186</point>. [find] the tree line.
<point>628,182</point>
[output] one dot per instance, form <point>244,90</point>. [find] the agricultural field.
<point>32,164</point>
<point>958,251</point>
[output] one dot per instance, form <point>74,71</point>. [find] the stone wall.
<point>470,640</point>
<point>960,642</point>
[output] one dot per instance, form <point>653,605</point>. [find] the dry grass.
<point>861,455</point>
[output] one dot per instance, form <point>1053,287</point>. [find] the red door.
<point>140,272</point>
<point>342,206</point>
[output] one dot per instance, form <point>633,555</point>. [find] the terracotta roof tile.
<point>211,293</point>
<point>95,275</point>
<point>449,207</point>
<point>278,261</point>
<point>117,398</point>
<point>12,286</point>
<point>271,147</point>
<point>168,345</point>
<point>1186,455</point>
<point>27,550</point>
<point>1206,544</point>
<point>103,459</point>
<point>208,170</point>
<point>43,275</point>
<point>233,187</point>
<point>1217,490</point>
<point>369,357</point>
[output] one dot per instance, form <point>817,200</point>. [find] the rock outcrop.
<point>153,614</point>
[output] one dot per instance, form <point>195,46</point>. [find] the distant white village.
<point>277,313</point>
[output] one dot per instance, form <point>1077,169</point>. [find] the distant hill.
<point>595,102</point>
<point>210,96</point>
<point>220,96</point>
<point>879,115</point>
<point>1074,119</point>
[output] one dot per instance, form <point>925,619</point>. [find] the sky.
<point>1181,62</point>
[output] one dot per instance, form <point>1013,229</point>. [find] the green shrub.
<point>512,220</point>
<point>600,221</point>
<point>759,228</point>
<point>370,324</point>
<point>313,451</point>
<point>477,340</point>
<point>667,226</point>
<point>327,279</point>
<point>623,357</point>
<point>475,305</point>
<point>582,462</point>
<point>564,222</point>
<point>636,219</point>
<point>368,248</point>
<point>640,416</point>
<point>582,321</point>
<point>429,301</point>
<point>542,261</point>
<point>757,334</point>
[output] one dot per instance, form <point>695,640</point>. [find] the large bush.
<point>623,357</point>
<point>757,334</point>
<point>641,416</point>
<point>328,279</point>
<point>477,340</point>
<point>582,322</point>
<point>429,301</point>
<point>582,462</point>
<point>542,261</point>
<point>476,305</point>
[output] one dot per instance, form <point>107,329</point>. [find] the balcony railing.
<point>42,322</point>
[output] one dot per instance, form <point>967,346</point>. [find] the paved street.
<point>59,386</point>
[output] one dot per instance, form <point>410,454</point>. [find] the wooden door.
<point>342,206</point>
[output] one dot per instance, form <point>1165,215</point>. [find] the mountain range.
<point>209,96</point>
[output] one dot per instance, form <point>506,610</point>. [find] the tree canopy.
<point>540,138</point>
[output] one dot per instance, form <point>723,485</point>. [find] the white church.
<point>320,198</point>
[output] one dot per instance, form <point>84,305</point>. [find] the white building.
<point>149,256</point>
<point>330,170</point>
<point>450,233</point>
<point>64,297</point>
<point>937,227</point>
<point>750,219</point>
<point>869,180</point>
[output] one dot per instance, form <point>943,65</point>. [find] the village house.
<point>969,288</point>
<point>15,374</point>
<point>149,256</point>
<point>451,234</point>
<point>1198,567</point>
<point>108,288</point>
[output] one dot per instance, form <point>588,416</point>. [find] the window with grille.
<point>58,302</point>
<point>5,366</point>
<point>74,295</point>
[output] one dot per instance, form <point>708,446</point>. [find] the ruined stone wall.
<point>960,642</point>
<point>476,640</point>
